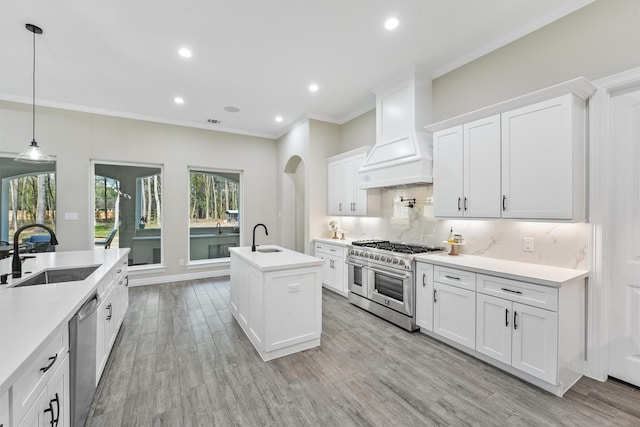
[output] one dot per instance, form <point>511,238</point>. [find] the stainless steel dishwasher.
<point>82,360</point>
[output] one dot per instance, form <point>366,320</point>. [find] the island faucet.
<point>219,230</point>
<point>253,244</point>
<point>16,262</point>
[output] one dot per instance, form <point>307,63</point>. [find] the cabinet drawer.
<point>334,250</point>
<point>319,247</point>
<point>514,290</point>
<point>4,410</point>
<point>34,378</point>
<point>453,276</point>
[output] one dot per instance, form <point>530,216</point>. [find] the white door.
<point>448,165</point>
<point>624,308</point>
<point>493,327</point>
<point>535,342</point>
<point>348,186</point>
<point>360,195</point>
<point>482,194</point>
<point>424,296</point>
<point>454,314</point>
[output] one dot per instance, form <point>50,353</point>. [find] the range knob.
<point>376,257</point>
<point>401,263</point>
<point>395,261</point>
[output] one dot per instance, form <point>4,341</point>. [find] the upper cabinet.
<point>344,196</point>
<point>521,159</point>
<point>467,164</point>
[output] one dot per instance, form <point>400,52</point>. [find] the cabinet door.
<point>58,391</point>
<point>243,295</point>
<point>493,327</point>
<point>424,296</point>
<point>482,195</point>
<point>448,168</point>
<point>104,332</point>
<point>537,160</point>
<point>348,186</point>
<point>334,188</point>
<point>454,314</point>
<point>340,270</point>
<point>4,410</point>
<point>535,342</point>
<point>360,196</point>
<point>40,414</point>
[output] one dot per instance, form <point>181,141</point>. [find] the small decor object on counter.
<point>333,226</point>
<point>342,233</point>
<point>455,243</point>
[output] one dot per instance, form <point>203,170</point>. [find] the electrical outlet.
<point>527,244</point>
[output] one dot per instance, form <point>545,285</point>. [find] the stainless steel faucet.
<point>253,243</point>
<point>16,262</point>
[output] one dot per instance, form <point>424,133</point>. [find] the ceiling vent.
<point>214,121</point>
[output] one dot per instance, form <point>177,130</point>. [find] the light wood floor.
<point>181,360</point>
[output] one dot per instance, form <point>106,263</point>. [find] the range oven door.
<point>393,289</point>
<point>357,277</point>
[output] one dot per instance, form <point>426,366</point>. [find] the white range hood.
<point>403,153</point>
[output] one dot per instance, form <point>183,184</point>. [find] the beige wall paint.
<point>601,39</point>
<point>358,132</point>
<point>77,138</point>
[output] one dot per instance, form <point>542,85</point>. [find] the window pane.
<point>28,195</point>
<point>213,214</point>
<point>128,210</point>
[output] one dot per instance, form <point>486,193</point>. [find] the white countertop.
<point>534,273</point>
<point>273,261</point>
<point>30,315</point>
<point>340,242</point>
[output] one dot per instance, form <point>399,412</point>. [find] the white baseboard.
<point>144,281</point>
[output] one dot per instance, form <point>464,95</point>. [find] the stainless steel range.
<point>382,279</point>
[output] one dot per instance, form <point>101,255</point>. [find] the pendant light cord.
<point>33,93</point>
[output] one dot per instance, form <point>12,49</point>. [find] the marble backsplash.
<point>555,244</point>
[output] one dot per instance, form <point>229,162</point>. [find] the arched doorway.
<point>293,205</point>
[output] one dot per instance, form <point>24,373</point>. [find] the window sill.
<point>140,270</point>
<point>208,263</point>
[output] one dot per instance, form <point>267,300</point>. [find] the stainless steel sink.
<point>268,250</point>
<point>58,275</point>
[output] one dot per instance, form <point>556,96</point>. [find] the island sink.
<point>268,250</point>
<point>58,275</point>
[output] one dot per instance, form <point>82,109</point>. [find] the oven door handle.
<point>355,264</point>
<point>390,274</point>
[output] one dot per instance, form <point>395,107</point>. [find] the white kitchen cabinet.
<point>454,314</point>
<point>467,170</point>
<point>334,271</point>
<point>51,407</point>
<point>424,296</point>
<point>543,157</point>
<point>540,160</point>
<point>114,301</point>
<point>519,335</point>
<point>344,197</point>
<point>283,306</point>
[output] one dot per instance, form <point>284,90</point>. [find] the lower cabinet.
<point>334,271</point>
<point>519,335</point>
<point>111,311</point>
<point>454,314</point>
<point>51,407</point>
<point>424,296</point>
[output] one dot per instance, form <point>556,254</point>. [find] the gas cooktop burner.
<point>402,248</point>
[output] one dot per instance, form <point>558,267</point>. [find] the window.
<point>214,212</point>
<point>27,195</point>
<point>128,210</point>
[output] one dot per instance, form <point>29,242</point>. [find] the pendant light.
<point>33,154</point>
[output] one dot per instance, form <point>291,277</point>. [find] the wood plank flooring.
<point>181,360</point>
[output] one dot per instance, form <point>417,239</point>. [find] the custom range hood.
<point>403,153</point>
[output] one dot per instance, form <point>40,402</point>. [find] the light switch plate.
<point>527,244</point>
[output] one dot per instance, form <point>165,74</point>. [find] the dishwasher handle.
<point>89,307</point>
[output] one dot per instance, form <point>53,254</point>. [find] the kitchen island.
<point>34,327</point>
<point>276,298</point>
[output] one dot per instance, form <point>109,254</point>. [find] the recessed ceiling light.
<point>278,118</point>
<point>313,87</point>
<point>178,100</point>
<point>391,24</point>
<point>185,52</point>
<point>231,109</point>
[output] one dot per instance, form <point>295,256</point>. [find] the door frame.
<point>600,221</point>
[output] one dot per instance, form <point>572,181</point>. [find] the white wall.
<point>77,138</point>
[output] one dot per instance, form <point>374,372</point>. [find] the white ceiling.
<point>119,57</point>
